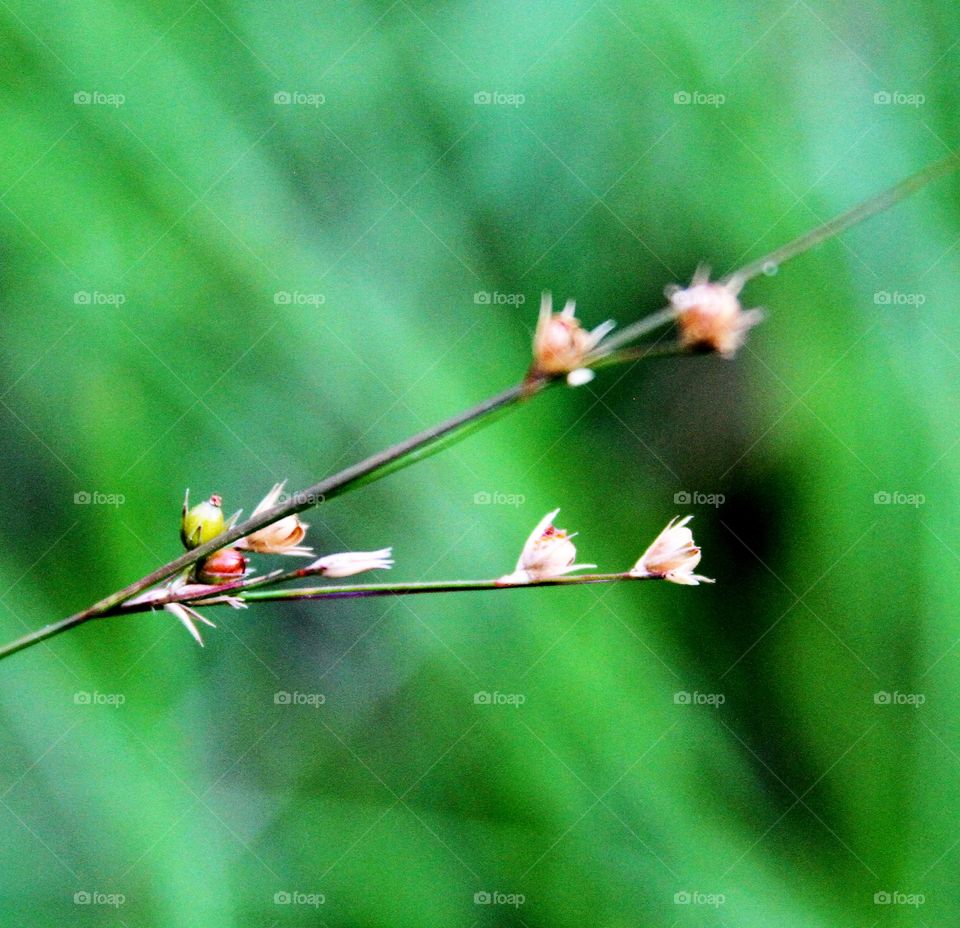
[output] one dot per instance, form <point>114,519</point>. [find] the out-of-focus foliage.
<point>206,283</point>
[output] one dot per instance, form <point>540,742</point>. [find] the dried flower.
<point>349,563</point>
<point>561,345</point>
<point>202,523</point>
<point>283,536</point>
<point>672,556</point>
<point>188,616</point>
<point>223,566</point>
<point>710,315</point>
<point>548,553</point>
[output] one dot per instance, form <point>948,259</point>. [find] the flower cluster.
<point>549,553</point>
<point>709,317</point>
<point>230,565</point>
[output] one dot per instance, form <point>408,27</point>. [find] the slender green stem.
<point>437,438</point>
<point>365,471</point>
<point>879,203</point>
<point>671,349</point>
<point>639,328</point>
<point>411,589</point>
<point>41,634</point>
<point>214,597</point>
<point>834,227</point>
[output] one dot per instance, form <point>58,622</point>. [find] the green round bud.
<point>202,523</point>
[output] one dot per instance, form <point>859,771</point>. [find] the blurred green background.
<point>247,242</point>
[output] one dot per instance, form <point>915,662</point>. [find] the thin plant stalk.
<point>852,217</point>
<point>803,243</point>
<point>437,438</point>
<point>214,597</point>
<point>371,468</point>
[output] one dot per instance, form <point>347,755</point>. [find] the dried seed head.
<point>561,345</point>
<point>348,563</point>
<point>710,316</point>
<point>548,552</point>
<point>672,556</point>
<point>282,537</point>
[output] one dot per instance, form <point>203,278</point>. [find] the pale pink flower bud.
<point>672,556</point>
<point>561,345</point>
<point>548,553</point>
<point>283,536</point>
<point>352,562</point>
<point>710,316</point>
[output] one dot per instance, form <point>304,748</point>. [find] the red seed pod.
<point>223,566</point>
